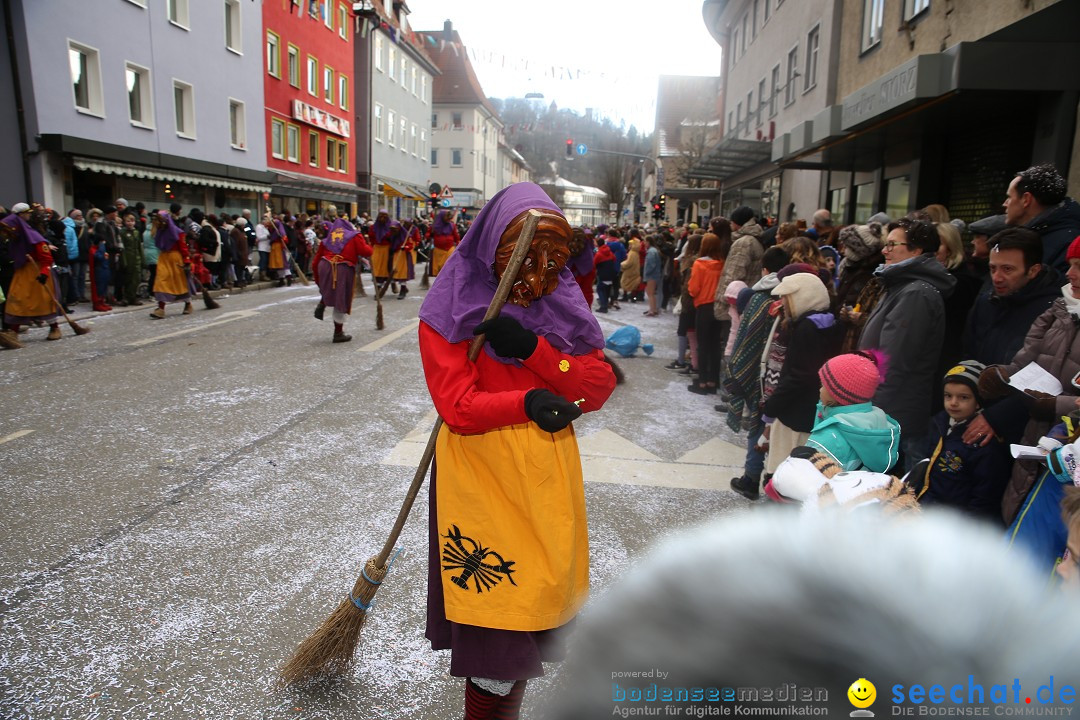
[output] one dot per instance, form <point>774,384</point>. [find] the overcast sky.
<point>603,54</point>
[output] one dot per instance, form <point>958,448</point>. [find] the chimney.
<point>448,30</point>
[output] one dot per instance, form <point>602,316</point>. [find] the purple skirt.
<point>478,651</point>
<point>336,282</point>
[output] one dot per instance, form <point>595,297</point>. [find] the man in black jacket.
<point>1021,290</point>
<point>1036,199</point>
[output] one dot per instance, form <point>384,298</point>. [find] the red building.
<point>308,86</point>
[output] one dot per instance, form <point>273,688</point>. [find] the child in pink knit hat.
<point>848,427</point>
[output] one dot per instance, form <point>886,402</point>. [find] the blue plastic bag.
<point>626,340</point>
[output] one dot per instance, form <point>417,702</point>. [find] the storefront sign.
<point>320,118</point>
<point>921,77</point>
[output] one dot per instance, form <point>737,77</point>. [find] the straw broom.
<point>329,650</point>
<point>76,327</point>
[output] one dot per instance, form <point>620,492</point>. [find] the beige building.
<point>942,101</point>
<point>779,73</point>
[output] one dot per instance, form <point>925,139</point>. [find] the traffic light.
<point>168,191</point>
<point>569,147</point>
<point>434,199</point>
<point>657,213</point>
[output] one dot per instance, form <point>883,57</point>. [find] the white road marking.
<point>387,339</point>
<point>14,436</point>
<point>222,319</point>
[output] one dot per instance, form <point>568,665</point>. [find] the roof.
<point>458,84</point>
<point>403,36</point>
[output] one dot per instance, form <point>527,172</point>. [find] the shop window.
<point>864,202</point>
<point>897,194</point>
<point>86,79</point>
<point>140,107</point>
<point>838,203</point>
<point>184,108</point>
<point>914,7</point>
<point>873,18</point>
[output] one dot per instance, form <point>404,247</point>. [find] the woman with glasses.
<point>908,325</point>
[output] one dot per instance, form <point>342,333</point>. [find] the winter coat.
<point>704,276</point>
<point>1054,344</point>
<point>743,263</point>
<point>654,265</point>
<point>857,437</point>
<point>71,238</point>
<point>969,478</point>
<point>150,248</point>
<point>1058,227</point>
<point>996,326</point>
<point>742,372</point>
<point>605,265</point>
<point>618,247</point>
<point>812,339</point>
<point>631,271</point>
<point>908,325</point>
<point>854,276</point>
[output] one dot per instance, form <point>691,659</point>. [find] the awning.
<point>164,175</point>
<point>417,194</point>
<point>391,191</point>
<point>730,156</point>
<point>308,187</point>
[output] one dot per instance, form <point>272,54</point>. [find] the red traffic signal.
<point>569,147</point>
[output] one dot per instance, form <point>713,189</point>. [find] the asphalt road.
<point>184,500</point>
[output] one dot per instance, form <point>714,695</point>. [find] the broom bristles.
<point>330,649</point>
<point>378,318</point>
<point>79,329</point>
<point>209,302</point>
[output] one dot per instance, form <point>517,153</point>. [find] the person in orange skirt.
<point>404,249</point>
<point>28,298</point>
<point>381,237</point>
<point>171,283</point>
<point>444,238</point>
<point>277,262</point>
<point>508,558</point>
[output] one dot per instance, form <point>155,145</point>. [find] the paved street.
<point>184,500</point>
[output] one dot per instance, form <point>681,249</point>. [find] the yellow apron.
<point>438,259</point>
<point>380,254</point>
<point>277,256</point>
<point>401,264</point>
<point>514,545</point>
<point>27,298</point>
<point>170,277</point>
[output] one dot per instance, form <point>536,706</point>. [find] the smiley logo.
<point>862,693</point>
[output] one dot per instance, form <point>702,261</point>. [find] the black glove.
<point>550,411</point>
<point>507,337</point>
<point>43,279</point>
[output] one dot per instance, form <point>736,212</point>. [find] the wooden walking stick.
<point>76,327</point>
<point>329,650</point>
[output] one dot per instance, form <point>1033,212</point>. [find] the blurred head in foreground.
<point>769,599</point>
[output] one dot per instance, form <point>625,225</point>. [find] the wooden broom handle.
<point>509,276</point>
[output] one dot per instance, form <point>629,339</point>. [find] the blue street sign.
<point>445,202</point>
<point>582,148</point>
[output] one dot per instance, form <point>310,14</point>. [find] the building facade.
<point>308,119</point>
<point>780,70</point>
<point>153,102</point>
<point>943,101</point>
<point>466,132</point>
<point>581,204</point>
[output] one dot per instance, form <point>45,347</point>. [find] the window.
<point>140,107</point>
<point>391,65</point>
<point>178,12</point>
<point>738,118</point>
<point>745,33</point>
<point>391,119</point>
<point>753,19</point>
<point>378,51</point>
<point>768,11</point>
<point>413,84</point>
<point>423,89</point>
<point>414,140</point>
<point>237,125</point>
<point>313,148</point>
<point>327,14</point>
<point>292,145</point>
<point>328,84</point>
<point>184,108</point>
<point>343,22</point>
<point>813,38</point>
<point>455,121</point>
<point>312,76</point>
<point>273,54</point>
<point>342,157</point>
<point>873,17</point>
<point>734,47</point>
<point>404,136</point>
<point>774,90</point>
<point>343,91</point>
<point>434,157</point>
<point>404,66</point>
<point>455,157</point>
<point>760,101</point>
<point>331,154</point>
<point>277,138</point>
<point>232,25</point>
<point>792,73</point>
<point>730,122</point>
<point>434,121</point>
<point>378,123</point>
<point>294,66</point>
<point>749,107</point>
<point>423,143</point>
<point>914,7</point>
